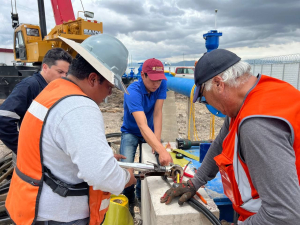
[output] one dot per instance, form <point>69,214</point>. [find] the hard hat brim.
<point>105,72</point>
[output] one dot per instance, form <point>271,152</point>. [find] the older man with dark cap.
<point>258,148</point>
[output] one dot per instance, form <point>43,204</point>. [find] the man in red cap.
<point>142,121</point>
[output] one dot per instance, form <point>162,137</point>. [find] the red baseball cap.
<point>154,69</point>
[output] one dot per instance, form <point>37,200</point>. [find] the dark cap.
<point>154,69</point>
<point>211,64</point>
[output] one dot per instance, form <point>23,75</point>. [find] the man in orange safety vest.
<point>65,170</point>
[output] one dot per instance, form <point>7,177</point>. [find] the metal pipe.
<point>184,86</point>
<point>42,18</point>
<point>137,166</point>
<point>180,85</point>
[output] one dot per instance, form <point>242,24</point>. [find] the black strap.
<point>40,223</point>
<point>27,179</point>
<point>63,189</point>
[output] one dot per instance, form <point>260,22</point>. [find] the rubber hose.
<point>194,203</point>
<point>6,220</point>
<point>113,135</point>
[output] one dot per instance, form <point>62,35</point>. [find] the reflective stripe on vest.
<point>38,110</point>
<point>250,204</point>
<point>104,204</point>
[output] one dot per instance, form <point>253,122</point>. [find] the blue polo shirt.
<point>140,100</point>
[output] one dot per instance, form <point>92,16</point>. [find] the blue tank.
<point>212,40</point>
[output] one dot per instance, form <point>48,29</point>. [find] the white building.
<point>6,56</point>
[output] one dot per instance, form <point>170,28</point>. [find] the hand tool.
<point>153,169</point>
<point>179,156</point>
<point>186,143</point>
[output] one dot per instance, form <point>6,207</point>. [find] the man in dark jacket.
<point>55,65</point>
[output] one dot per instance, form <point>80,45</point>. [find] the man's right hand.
<point>132,179</point>
<point>165,158</point>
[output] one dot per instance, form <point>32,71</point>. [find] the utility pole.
<point>216,19</point>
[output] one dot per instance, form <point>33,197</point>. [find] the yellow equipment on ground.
<point>180,162</point>
<point>185,153</point>
<point>118,212</point>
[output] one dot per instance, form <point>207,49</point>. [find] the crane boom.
<point>63,11</point>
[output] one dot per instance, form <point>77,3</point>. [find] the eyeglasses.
<point>201,95</point>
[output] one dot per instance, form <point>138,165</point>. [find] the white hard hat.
<point>106,54</point>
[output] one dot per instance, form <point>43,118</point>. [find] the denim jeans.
<point>84,221</point>
<point>129,144</point>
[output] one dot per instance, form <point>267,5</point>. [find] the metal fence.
<point>286,67</point>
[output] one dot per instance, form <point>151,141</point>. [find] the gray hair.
<point>230,76</point>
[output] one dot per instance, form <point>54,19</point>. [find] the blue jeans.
<point>129,144</point>
<point>76,222</point>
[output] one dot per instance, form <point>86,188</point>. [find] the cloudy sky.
<point>172,29</point>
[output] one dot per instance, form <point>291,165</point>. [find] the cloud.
<point>167,29</point>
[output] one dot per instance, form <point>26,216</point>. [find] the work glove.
<point>185,190</point>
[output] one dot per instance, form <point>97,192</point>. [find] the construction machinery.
<point>31,42</point>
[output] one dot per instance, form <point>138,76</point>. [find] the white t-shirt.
<point>75,150</point>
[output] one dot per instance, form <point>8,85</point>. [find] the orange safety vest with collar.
<point>270,98</point>
<point>22,201</point>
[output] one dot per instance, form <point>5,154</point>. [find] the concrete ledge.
<point>156,213</point>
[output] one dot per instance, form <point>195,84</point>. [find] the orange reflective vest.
<point>270,98</point>
<point>22,201</point>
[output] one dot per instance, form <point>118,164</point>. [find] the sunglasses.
<point>201,95</point>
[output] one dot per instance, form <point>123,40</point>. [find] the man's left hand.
<point>119,156</point>
<point>185,190</point>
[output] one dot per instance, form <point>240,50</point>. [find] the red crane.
<point>62,10</point>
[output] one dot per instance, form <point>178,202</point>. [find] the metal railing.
<point>285,67</point>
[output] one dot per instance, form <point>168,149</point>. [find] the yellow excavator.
<point>31,42</point>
